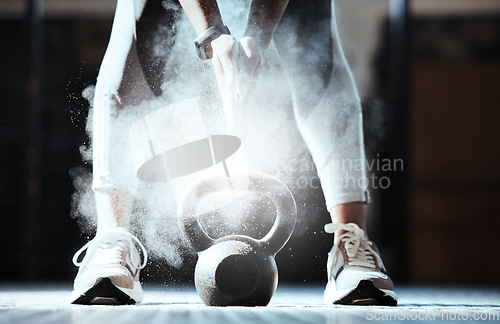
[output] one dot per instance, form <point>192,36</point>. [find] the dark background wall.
<point>452,216</point>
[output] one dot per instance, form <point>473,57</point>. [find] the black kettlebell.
<point>237,270</point>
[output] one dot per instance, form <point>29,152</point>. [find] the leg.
<point>353,212</point>
<point>113,186</point>
<point>326,103</point>
<point>114,182</point>
<point>328,113</point>
<point>109,272</point>
<point>130,74</point>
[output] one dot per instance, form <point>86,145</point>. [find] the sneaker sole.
<point>367,294</point>
<point>104,293</point>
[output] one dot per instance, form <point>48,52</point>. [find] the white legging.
<point>326,104</point>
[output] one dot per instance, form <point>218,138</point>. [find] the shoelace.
<point>110,254</point>
<point>359,252</point>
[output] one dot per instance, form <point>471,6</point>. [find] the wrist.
<point>203,41</point>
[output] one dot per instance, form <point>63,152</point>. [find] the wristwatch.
<point>202,42</point>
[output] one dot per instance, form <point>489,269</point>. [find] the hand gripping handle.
<point>274,189</point>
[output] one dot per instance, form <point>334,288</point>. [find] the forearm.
<point>202,14</point>
<point>263,18</point>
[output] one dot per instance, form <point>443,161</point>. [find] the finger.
<point>219,74</point>
<point>245,87</point>
<point>228,67</point>
<point>247,81</point>
<point>246,49</point>
<point>257,69</point>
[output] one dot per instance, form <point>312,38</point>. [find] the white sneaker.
<point>356,274</point>
<point>109,272</point>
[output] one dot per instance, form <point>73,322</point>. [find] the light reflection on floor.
<point>291,304</point>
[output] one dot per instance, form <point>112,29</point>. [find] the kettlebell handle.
<point>271,187</point>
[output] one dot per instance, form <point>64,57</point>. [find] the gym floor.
<point>46,303</point>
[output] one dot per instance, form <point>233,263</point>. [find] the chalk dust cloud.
<point>271,142</point>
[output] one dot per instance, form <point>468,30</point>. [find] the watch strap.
<point>202,42</point>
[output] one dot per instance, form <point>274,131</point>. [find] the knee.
<point>105,94</point>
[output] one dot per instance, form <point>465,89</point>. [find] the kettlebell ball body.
<point>236,272</point>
